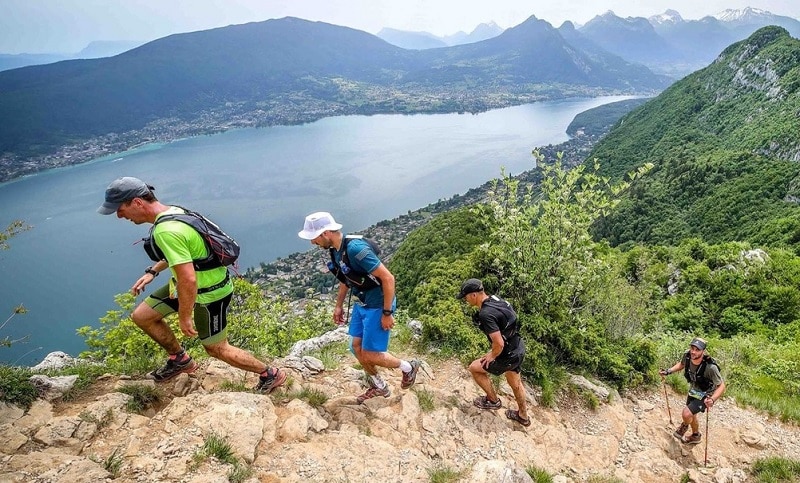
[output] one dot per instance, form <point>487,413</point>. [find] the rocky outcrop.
<point>291,437</point>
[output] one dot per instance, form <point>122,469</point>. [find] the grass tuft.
<point>443,474</point>
<point>776,469</point>
<point>427,401</point>
<point>539,475</point>
<point>142,396</point>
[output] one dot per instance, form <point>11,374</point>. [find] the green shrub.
<point>16,387</point>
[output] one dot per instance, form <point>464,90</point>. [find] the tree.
<point>13,229</point>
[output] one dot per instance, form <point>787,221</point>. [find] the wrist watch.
<point>387,312</point>
<point>151,271</point>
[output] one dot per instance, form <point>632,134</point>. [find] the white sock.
<point>405,366</point>
<point>377,381</point>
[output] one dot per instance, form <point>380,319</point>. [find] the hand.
<point>663,372</point>
<point>387,321</point>
<point>709,402</point>
<point>338,316</point>
<point>187,327</point>
<point>138,287</point>
<point>486,360</point>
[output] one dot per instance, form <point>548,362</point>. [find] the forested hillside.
<point>698,184</point>
<point>724,143</point>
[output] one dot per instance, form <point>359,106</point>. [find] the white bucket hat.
<point>316,223</point>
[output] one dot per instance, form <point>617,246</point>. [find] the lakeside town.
<point>291,109</point>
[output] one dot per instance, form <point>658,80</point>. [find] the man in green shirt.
<point>200,297</point>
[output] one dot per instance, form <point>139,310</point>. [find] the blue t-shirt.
<point>361,258</point>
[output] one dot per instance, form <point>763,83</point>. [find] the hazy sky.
<point>67,26</point>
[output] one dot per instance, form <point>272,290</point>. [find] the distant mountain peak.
<point>668,17</point>
<point>739,14</point>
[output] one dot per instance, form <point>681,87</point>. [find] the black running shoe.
<point>274,378</point>
<point>173,368</point>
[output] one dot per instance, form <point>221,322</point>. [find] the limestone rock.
<point>53,387</point>
<point>54,360</point>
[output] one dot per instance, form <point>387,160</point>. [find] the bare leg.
<point>689,418</point>
<point>481,377</point>
<point>234,356</point>
<point>515,381</point>
<point>152,323</point>
<point>359,352</point>
<point>380,359</point>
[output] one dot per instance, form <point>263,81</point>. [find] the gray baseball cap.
<point>121,190</point>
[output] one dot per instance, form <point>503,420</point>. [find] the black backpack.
<point>702,382</point>
<point>222,249</point>
<point>346,274</point>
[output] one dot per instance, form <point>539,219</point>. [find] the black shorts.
<point>508,362</point>
<point>695,405</point>
<point>210,320</point>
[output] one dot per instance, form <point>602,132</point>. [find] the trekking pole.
<point>664,383</point>
<point>705,462</point>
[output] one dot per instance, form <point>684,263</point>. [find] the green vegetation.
<point>724,145</point>
<point>538,475</point>
<point>314,397</point>
<point>776,470</point>
<point>13,229</point>
<point>539,255</point>
<point>443,474</point>
<point>142,396</point>
<point>215,446</point>
<point>265,326</point>
<point>15,387</point>
<point>427,400</point>
<point>596,121</point>
<point>112,463</point>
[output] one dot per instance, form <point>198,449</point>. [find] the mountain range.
<point>95,50</point>
<point>284,71</point>
<point>666,43</point>
<point>669,44</point>
<point>425,40</point>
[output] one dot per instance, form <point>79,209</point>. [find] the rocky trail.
<point>432,427</point>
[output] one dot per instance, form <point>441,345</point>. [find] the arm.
<point>187,295</point>
<point>497,348</point>
<point>338,311</point>
<point>138,286</point>
<point>718,392</point>
<point>677,367</point>
<point>387,286</point>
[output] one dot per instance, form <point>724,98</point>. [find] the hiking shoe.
<point>373,392</point>
<point>483,402</point>
<point>410,376</point>
<point>693,438</point>
<point>274,378</point>
<point>681,430</point>
<point>172,368</point>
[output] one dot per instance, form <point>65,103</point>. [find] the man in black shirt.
<point>498,321</point>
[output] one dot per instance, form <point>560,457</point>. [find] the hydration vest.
<point>701,381</point>
<point>352,278</point>
<point>510,332</point>
<point>222,249</point>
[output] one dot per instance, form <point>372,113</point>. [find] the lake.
<point>258,184</point>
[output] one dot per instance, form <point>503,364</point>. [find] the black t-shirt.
<point>497,315</point>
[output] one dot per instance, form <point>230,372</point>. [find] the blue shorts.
<point>366,324</point>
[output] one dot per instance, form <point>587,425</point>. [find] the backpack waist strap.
<point>216,285</point>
